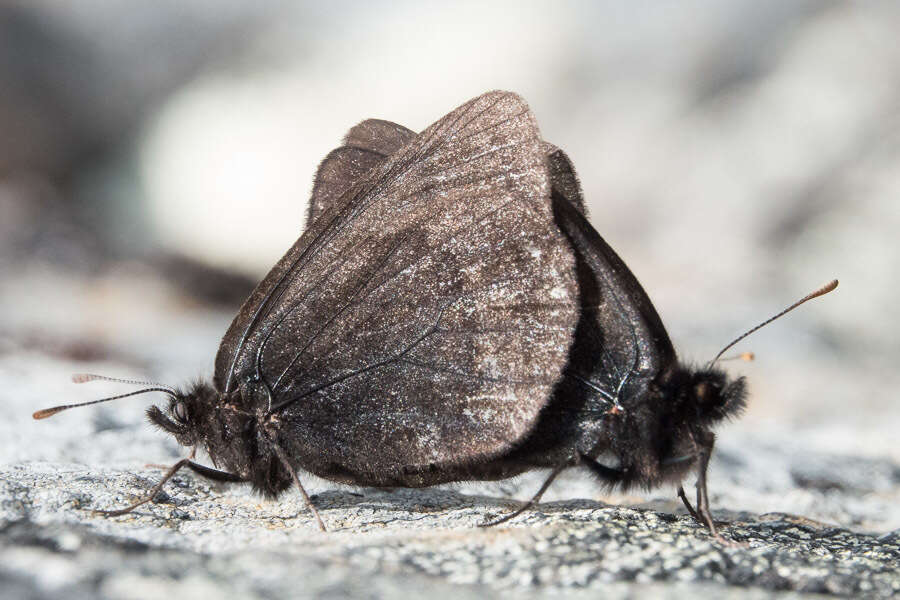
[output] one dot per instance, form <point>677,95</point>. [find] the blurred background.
<point>156,160</point>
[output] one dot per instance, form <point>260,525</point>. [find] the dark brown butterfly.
<point>419,323</point>
<point>449,314</point>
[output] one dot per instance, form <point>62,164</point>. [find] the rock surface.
<point>196,538</point>
<point>201,538</point>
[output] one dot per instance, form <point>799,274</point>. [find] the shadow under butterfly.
<point>449,314</point>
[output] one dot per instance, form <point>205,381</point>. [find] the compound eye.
<point>180,411</point>
<point>702,391</point>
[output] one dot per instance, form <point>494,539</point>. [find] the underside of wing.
<point>425,316</point>
<point>620,346</point>
<point>563,178</point>
<point>620,342</point>
<point>366,145</point>
<point>379,136</point>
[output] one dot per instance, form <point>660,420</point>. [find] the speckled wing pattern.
<point>379,136</point>
<point>367,145</point>
<point>428,311</point>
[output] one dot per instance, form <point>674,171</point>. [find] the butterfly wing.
<point>379,136</point>
<point>621,343</point>
<point>366,146</point>
<point>425,316</point>
<point>620,347</point>
<point>563,178</point>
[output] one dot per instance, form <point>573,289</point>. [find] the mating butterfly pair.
<point>449,314</point>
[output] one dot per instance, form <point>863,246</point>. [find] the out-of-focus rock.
<point>77,78</point>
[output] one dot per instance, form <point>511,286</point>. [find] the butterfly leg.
<point>706,443</point>
<point>214,474</point>
<point>306,498</point>
<point>687,504</point>
<point>534,499</point>
<point>184,462</point>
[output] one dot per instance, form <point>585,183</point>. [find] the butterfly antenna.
<point>49,412</point>
<point>85,377</point>
<point>830,286</point>
<point>744,356</point>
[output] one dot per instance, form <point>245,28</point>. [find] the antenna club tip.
<point>828,287</point>
<point>81,377</point>
<point>47,412</point>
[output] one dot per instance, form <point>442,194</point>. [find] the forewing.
<point>379,136</point>
<point>621,343</point>
<point>366,146</point>
<point>426,315</point>
<point>563,178</point>
<point>336,174</point>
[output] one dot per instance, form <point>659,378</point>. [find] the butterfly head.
<point>202,417</point>
<point>710,396</point>
<point>192,416</point>
<point>689,404</point>
<point>185,413</point>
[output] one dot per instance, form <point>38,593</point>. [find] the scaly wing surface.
<point>426,312</point>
